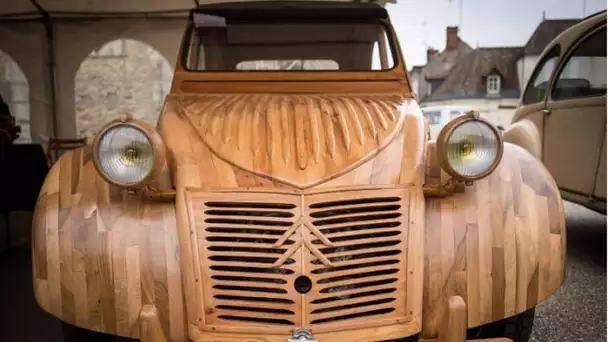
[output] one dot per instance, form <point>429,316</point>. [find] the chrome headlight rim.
<point>445,134</point>
<point>153,137</point>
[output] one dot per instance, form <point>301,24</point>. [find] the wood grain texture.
<point>358,264</point>
<point>150,329</point>
<point>455,324</point>
<point>299,140</point>
<point>500,245</point>
<point>99,254</point>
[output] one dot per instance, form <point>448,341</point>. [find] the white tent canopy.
<point>49,39</point>
<point>25,8</point>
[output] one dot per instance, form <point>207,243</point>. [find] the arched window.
<point>122,76</point>
<point>15,91</point>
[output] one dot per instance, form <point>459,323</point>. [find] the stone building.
<point>123,76</point>
<point>15,91</point>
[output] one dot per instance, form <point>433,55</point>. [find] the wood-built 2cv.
<point>289,192</point>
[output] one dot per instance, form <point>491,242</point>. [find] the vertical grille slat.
<point>351,245</point>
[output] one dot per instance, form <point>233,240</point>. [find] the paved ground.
<point>576,313</point>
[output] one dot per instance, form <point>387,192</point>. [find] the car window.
<point>290,64</point>
<point>433,117</point>
<point>584,72</point>
<point>542,74</point>
<point>217,44</point>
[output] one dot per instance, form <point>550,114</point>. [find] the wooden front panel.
<point>254,248</point>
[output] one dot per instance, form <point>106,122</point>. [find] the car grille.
<point>319,260</point>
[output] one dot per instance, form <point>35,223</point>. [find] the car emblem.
<point>301,335</point>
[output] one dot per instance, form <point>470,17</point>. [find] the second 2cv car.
<point>561,119</point>
<point>289,193</point>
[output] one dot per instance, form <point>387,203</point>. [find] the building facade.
<point>490,80</point>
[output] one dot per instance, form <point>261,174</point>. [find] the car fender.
<point>525,134</point>
<point>100,254</point>
<point>500,244</point>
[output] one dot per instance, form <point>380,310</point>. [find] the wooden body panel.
<point>501,245</point>
<point>100,254</point>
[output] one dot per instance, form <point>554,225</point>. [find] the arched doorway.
<point>15,90</point>
<point>122,76</point>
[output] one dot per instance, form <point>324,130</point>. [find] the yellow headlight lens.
<point>472,148</point>
<point>126,156</point>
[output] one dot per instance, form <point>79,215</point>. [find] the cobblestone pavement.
<point>577,312</point>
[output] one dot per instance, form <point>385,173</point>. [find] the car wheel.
<point>518,328</point>
<point>75,334</point>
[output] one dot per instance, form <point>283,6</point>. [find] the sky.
<point>485,23</point>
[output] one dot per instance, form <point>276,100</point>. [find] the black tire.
<point>75,334</point>
<point>518,328</point>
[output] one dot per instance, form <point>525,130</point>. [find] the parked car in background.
<point>289,193</point>
<point>562,115</point>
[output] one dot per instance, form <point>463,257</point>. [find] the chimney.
<point>430,54</point>
<point>451,38</point>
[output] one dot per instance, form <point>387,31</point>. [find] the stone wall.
<point>14,90</point>
<point>124,76</point>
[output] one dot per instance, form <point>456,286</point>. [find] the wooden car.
<point>565,127</point>
<point>289,193</point>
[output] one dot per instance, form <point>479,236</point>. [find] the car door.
<point>575,119</point>
<point>533,101</point>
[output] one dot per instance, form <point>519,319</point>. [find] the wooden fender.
<point>100,255</point>
<point>501,245</point>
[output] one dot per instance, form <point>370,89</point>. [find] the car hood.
<point>300,140</point>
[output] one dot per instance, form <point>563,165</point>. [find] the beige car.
<point>566,126</point>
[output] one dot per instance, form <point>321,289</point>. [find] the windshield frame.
<point>396,71</point>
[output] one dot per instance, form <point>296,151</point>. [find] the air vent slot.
<point>253,319</point>
<point>352,202</point>
<point>353,315</point>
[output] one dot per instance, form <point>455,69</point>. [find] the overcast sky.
<point>485,23</point>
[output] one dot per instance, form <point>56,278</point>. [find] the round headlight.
<point>469,147</point>
<point>128,153</point>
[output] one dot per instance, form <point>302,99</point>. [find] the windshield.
<point>215,44</point>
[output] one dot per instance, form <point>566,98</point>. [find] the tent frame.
<point>48,18</point>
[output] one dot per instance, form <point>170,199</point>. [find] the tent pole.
<point>50,38</point>
<point>52,71</point>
